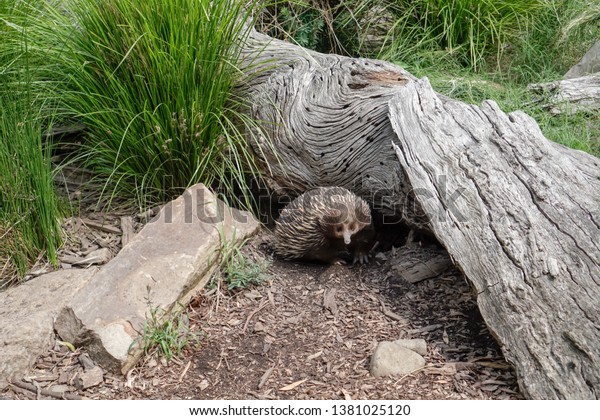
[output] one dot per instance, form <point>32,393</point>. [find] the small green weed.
<point>168,332</point>
<point>241,272</point>
<point>238,270</point>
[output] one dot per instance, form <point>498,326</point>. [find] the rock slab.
<point>27,317</point>
<point>171,258</point>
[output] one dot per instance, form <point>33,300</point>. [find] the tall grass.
<point>465,32</point>
<point>559,37</point>
<point>297,21</point>
<point>152,81</point>
<point>468,31</point>
<point>29,210</point>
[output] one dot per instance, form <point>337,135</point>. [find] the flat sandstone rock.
<point>165,264</point>
<point>27,316</point>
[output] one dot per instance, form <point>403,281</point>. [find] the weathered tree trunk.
<point>570,95</point>
<point>521,217</point>
<point>327,119</point>
<point>517,213</point>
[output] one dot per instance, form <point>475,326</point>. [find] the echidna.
<point>322,225</point>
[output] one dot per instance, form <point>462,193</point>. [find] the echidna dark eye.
<point>339,229</point>
<point>352,227</point>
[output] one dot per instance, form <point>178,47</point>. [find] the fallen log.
<point>325,122</point>
<point>518,214</point>
<point>570,96</point>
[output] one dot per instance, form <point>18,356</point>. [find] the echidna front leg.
<point>361,245</point>
<point>361,257</point>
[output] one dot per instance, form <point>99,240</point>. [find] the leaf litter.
<point>309,333</point>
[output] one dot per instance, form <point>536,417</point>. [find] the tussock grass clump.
<point>152,80</point>
<point>29,210</point>
<point>561,34</point>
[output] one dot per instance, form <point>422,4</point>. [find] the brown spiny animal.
<point>323,225</point>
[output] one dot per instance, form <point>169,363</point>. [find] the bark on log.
<point>327,118</point>
<point>521,217</point>
<point>518,214</point>
<point>570,95</point>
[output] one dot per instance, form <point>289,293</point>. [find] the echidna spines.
<point>305,228</point>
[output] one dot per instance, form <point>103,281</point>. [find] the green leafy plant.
<point>308,23</point>
<point>238,270</point>
<point>304,26</point>
<point>168,332</point>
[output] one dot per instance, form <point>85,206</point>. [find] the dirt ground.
<point>308,333</point>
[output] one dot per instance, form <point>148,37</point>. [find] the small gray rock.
<point>59,388</point>
<point>99,256</point>
<point>380,256</point>
<point>86,361</point>
<point>417,345</point>
<point>89,378</point>
<point>393,359</point>
<point>259,327</point>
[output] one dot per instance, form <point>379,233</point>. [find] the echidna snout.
<point>346,231</point>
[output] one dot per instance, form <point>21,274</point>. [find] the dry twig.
<point>39,391</point>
